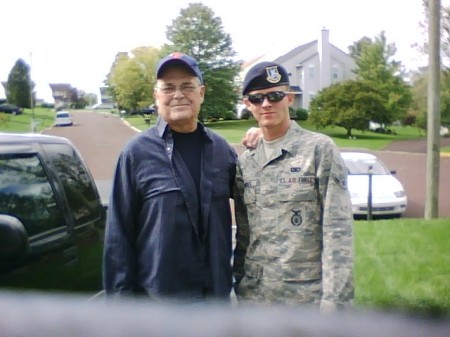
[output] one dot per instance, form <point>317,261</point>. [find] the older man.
<point>168,231</point>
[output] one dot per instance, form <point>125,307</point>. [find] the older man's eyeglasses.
<point>185,89</point>
<point>272,97</point>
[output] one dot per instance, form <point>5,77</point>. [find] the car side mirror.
<point>13,238</point>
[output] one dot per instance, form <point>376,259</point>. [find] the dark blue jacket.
<point>152,244</point>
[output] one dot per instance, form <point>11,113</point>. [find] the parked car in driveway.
<point>63,118</point>
<point>149,110</point>
<point>51,216</point>
<point>388,194</point>
<point>10,109</point>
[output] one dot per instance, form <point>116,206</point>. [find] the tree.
<point>199,33</point>
<point>445,32</point>
<point>420,96</point>
<point>350,104</point>
<point>19,85</point>
<point>420,83</point>
<point>132,76</point>
<point>374,65</point>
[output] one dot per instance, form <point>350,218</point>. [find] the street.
<point>99,137</point>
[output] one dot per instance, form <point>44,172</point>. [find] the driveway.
<point>100,137</point>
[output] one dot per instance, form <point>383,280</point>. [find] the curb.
<point>129,125</point>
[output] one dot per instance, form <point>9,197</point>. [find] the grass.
<point>234,131</point>
<point>43,117</point>
<point>403,265</point>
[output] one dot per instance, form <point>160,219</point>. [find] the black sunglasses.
<point>272,97</point>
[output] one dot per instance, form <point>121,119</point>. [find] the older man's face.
<point>179,95</point>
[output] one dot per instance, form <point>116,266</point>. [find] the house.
<point>62,94</point>
<point>5,90</point>
<point>105,96</point>
<point>312,67</point>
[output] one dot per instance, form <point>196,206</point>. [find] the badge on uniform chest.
<point>296,218</point>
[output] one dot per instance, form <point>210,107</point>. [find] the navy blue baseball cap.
<point>265,75</point>
<point>179,58</point>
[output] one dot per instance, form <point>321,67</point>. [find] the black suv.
<point>51,216</point>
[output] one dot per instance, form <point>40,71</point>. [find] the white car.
<point>63,118</point>
<point>388,195</point>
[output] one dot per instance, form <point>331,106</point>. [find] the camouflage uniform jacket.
<point>294,220</point>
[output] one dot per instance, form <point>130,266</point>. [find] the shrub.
<point>228,116</point>
<point>246,114</point>
<point>292,113</point>
<point>409,119</point>
<point>301,114</point>
<point>47,105</point>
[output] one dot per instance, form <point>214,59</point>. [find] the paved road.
<point>99,137</point>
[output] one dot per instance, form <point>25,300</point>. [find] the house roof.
<point>60,86</point>
<point>294,52</point>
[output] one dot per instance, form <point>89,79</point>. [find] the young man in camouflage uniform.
<point>293,210</point>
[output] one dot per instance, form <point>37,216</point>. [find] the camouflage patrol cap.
<point>265,75</point>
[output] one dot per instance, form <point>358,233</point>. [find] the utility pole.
<point>33,125</point>
<point>434,111</point>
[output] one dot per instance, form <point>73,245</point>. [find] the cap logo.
<point>273,76</point>
<point>176,55</point>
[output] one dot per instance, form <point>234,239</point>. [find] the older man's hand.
<point>252,137</point>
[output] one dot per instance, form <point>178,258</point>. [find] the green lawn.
<point>43,118</point>
<point>403,264</point>
<point>235,130</point>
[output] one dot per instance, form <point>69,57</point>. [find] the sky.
<point>76,42</point>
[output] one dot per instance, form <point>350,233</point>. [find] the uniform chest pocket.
<point>295,188</point>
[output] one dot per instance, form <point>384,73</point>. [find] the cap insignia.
<point>273,76</point>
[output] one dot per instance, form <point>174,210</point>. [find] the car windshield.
<point>62,115</point>
<point>362,166</point>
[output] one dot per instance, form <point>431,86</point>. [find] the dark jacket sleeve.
<point>119,261</point>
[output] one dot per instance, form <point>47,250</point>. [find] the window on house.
<point>301,78</point>
<point>335,74</point>
<point>311,72</point>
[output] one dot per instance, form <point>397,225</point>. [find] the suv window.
<point>77,183</point>
<point>26,193</point>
